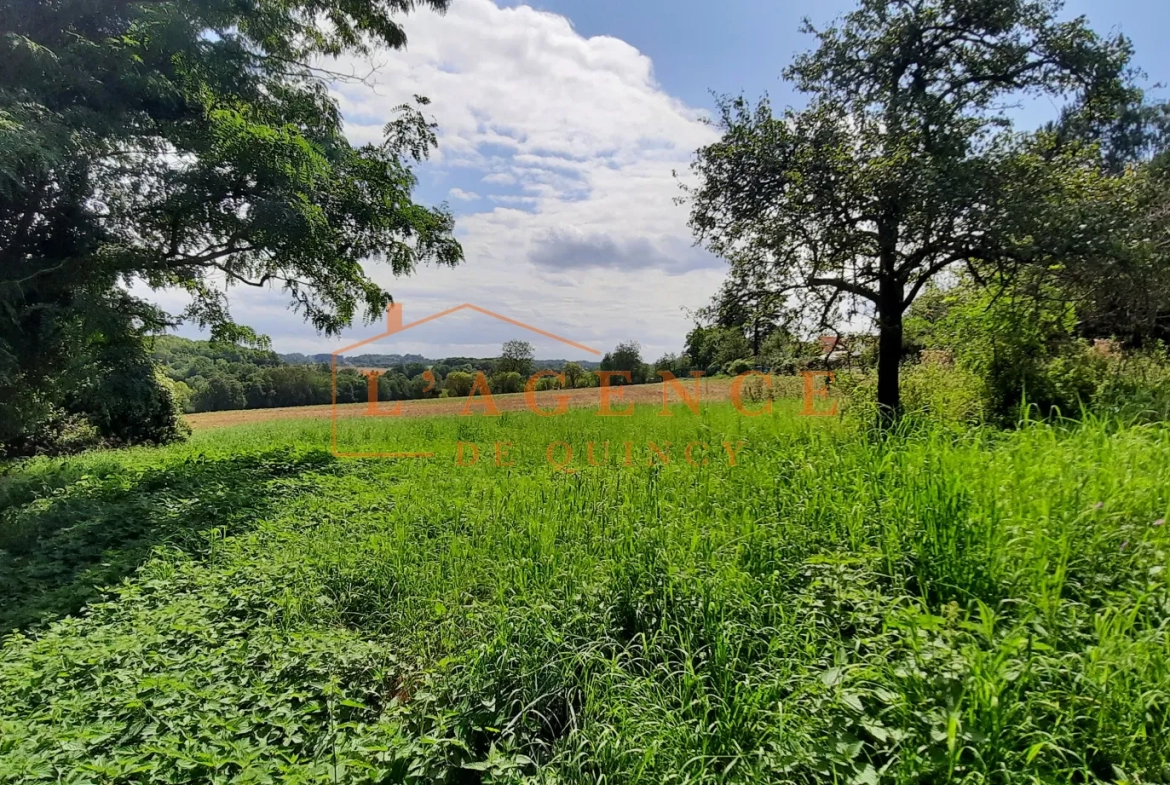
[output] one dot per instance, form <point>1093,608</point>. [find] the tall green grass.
<point>940,605</point>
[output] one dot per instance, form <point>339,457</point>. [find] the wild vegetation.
<point>947,605</point>
<point>959,577</point>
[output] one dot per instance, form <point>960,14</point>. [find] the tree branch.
<point>846,286</point>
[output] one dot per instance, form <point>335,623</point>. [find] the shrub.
<point>757,389</point>
<point>942,392</point>
<point>507,382</point>
<point>736,367</point>
<point>1135,386</point>
<point>57,432</point>
<point>459,383</point>
<point>1016,338</point>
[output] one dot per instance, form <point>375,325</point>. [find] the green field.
<point>941,605</point>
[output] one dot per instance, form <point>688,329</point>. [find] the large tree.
<point>516,356</point>
<point>905,162</point>
<point>191,145</point>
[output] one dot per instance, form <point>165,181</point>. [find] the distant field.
<point>713,390</point>
<point>703,599</point>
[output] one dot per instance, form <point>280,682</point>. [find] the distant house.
<point>834,350</point>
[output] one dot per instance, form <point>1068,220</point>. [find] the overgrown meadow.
<point>939,605</point>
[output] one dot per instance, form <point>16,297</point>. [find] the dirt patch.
<point>639,395</point>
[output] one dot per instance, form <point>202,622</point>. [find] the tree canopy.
<point>905,161</point>
<point>191,145</point>
<point>516,357</point>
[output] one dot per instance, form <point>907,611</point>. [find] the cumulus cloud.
<point>463,196</point>
<point>570,145</point>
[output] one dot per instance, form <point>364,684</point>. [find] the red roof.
<point>830,343</point>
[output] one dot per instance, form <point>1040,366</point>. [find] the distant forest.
<point>205,376</point>
<point>396,360</point>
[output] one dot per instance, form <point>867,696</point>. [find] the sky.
<point>565,130</point>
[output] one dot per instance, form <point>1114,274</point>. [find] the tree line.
<point>204,376</point>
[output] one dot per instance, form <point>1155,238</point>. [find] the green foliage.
<point>459,383</point>
<point>626,357</point>
<point>1006,335</point>
<point>1019,341</point>
<point>934,390</point>
<point>904,162</point>
<point>574,373</point>
<point>182,145</point>
<point>1023,350</point>
<point>228,376</point>
<point>1135,386</point>
<point>221,393</point>
<point>711,348</point>
<point>934,606</point>
<point>507,382</point>
<point>942,392</point>
<point>96,386</point>
<point>736,367</point>
<point>94,527</point>
<point>516,357</point>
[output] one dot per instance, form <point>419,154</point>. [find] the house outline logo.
<point>394,326</point>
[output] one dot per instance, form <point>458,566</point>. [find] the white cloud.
<point>574,143</point>
<point>463,196</point>
<point>499,178</point>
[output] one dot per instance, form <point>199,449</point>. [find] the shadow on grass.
<point>65,535</point>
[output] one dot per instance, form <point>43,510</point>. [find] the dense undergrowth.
<point>943,605</point>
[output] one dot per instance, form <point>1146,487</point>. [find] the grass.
<point>940,606</point>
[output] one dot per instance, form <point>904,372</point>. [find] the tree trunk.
<point>889,394</point>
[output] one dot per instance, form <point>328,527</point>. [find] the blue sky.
<point>731,46</point>
<point>562,123</point>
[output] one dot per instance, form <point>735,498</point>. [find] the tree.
<point>626,356</point>
<point>516,357</point>
<point>221,393</point>
<point>573,373</point>
<point>1126,295</point>
<point>459,383</point>
<point>192,145</point>
<point>750,300</point>
<point>904,163</point>
<point>711,348</point>
<point>506,382</point>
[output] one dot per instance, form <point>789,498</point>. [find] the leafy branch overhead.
<point>196,145</point>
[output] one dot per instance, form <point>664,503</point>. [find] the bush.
<point>57,432</point>
<point>1016,339</point>
<point>736,367</point>
<point>942,392</point>
<point>507,382</point>
<point>1135,386</point>
<point>931,390</point>
<point>459,383</point>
